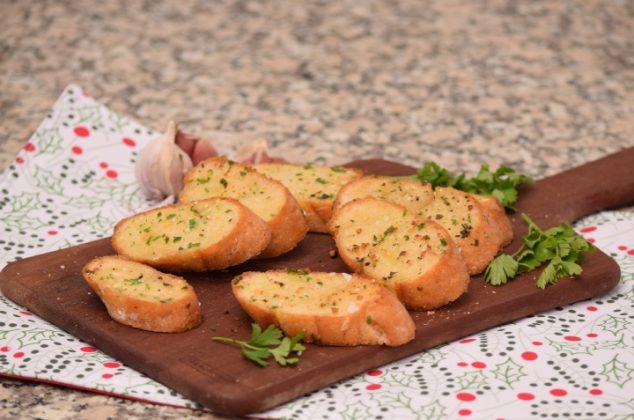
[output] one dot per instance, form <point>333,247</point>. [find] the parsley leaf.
<point>559,246</point>
<point>269,337</point>
<point>500,270</point>
<point>281,353</point>
<point>435,175</point>
<point>267,343</point>
<point>501,184</point>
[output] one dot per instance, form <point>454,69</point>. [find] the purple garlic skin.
<point>198,149</point>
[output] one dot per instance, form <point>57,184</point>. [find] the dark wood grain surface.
<point>217,376</point>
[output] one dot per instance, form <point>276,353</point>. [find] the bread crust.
<point>498,217</point>
<point>316,199</point>
<point>247,237</point>
<point>287,223</point>
<point>170,317</point>
<point>441,285</point>
<point>316,223</point>
<point>379,318</point>
<point>288,228</point>
<point>428,278</point>
<point>322,212</point>
<point>478,239</point>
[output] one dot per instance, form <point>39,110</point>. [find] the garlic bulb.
<point>161,165</point>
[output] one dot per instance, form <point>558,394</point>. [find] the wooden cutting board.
<point>217,376</point>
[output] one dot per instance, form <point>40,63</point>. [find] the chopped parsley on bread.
<point>269,199</point>
<point>315,187</point>
<point>140,296</point>
<point>413,256</point>
<point>203,235</point>
<point>329,308</point>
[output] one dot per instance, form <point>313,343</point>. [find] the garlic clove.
<point>186,141</point>
<point>255,152</point>
<point>203,150</point>
<point>161,165</point>
<point>197,148</point>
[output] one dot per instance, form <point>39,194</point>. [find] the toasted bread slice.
<point>415,257</point>
<point>315,187</point>
<point>467,217</point>
<point>469,225</point>
<point>139,296</point>
<point>269,199</point>
<point>330,308</point>
<point>409,193</point>
<point>498,217</point>
<point>203,235</point>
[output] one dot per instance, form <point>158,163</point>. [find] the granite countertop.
<point>541,86</point>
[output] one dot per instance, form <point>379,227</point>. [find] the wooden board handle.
<point>602,184</point>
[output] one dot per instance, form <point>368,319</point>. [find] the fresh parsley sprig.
<point>501,184</point>
<point>561,247</point>
<point>267,343</point>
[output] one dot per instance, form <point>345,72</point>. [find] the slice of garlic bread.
<point>415,257</point>
<point>330,308</point>
<point>467,217</point>
<point>315,187</point>
<point>468,223</point>
<point>139,296</point>
<point>409,193</point>
<point>198,236</point>
<point>269,199</point>
<point>478,227</point>
<point>498,217</point>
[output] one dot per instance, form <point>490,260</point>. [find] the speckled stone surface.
<point>542,86</point>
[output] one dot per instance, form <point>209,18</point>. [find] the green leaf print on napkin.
<point>508,372</point>
<point>617,372</point>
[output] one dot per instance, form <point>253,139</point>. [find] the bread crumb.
<point>332,253</point>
